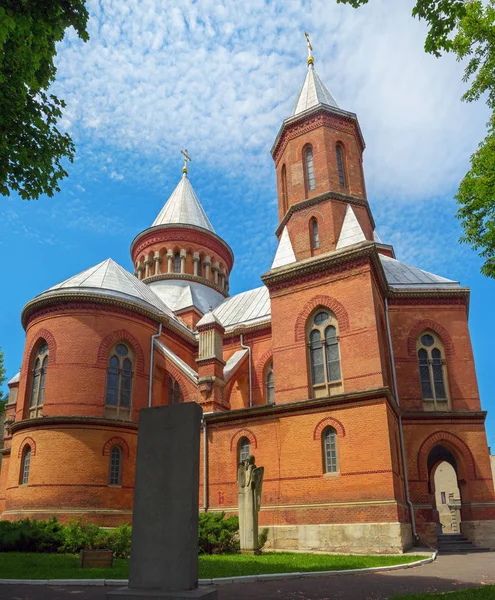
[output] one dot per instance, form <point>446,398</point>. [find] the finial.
<point>186,159</point>
<point>311,60</point>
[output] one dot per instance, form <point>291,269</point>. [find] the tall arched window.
<point>329,443</point>
<point>115,470</point>
<point>432,373</point>
<point>38,379</point>
<point>270,384</point>
<point>315,234</point>
<point>324,354</point>
<point>340,164</point>
<point>176,262</point>
<point>310,169</point>
<point>119,383</point>
<point>25,464</point>
<point>174,391</point>
<point>283,177</point>
<point>244,449</point>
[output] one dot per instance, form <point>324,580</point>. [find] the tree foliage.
<point>467,28</point>
<point>31,146</point>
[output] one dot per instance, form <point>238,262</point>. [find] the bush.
<point>218,534</point>
<point>78,536</point>
<point>119,541</point>
<point>30,535</point>
<point>262,538</point>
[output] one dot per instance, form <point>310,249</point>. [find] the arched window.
<point>115,471</point>
<point>25,464</point>
<point>310,170</point>
<point>119,383</point>
<point>315,235</point>
<point>244,449</point>
<point>177,263</point>
<point>174,391</point>
<point>340,164</point>
<point>38,379</point>
<point>284,189</point>
<point>270,384</point>
<point>329,442</point>
<point>432,372</point>
<point>324,354</point>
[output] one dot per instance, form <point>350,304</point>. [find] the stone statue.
<point>249,480</point>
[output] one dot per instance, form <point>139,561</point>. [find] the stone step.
<point>453,542</point>
<point>463,550</point>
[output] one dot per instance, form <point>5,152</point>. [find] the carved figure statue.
<point>250,481</point>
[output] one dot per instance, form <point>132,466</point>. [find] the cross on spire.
<point>187,159</point>
<point>311,60</point>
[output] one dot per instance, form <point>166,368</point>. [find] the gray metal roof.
<point>246,308</point>
<point>183,207</point>
<point>402,276</point>
<point>233,363</point>
<point>15,379</point>
<point>351,232</point>
<point>285,253</point>
<point>178,362</point>
<point>110,278</point>
<point>313,92</point>
<point>179,294</point>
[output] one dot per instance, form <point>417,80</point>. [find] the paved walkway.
<point>447,573</point>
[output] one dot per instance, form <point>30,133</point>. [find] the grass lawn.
<point>482,593</point>
<point>25,565</point>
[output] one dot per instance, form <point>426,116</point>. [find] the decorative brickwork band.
<point>42,334</point>
<point>451,442</point>
<point>116,441</point>
<point>326,422</point>
<point>243,433</point>
<point>325,302</point>
<point>28,441</point>
<point>421,326</point>
<point>117,336</point>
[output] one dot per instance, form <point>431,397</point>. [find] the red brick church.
<point>348,374</point>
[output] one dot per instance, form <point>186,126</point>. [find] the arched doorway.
<point>443,483</point>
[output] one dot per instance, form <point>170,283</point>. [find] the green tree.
<point>31,146</point>
<point>467,28</point>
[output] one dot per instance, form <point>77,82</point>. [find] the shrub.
<point>78,535</point>
<point>262,538</point>
<point>119,541</point>
<point>218,534</point>
<point>29,535</point>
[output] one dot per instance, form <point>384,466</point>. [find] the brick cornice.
<point>43,422</point>
<point>444,416</point>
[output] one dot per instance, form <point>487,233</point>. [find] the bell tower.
<point>318,157</point>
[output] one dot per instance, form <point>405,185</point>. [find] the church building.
<point>348,374</point>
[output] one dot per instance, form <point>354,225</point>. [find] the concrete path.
<point>447,573</point>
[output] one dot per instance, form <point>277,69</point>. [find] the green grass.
<point>25,565</point>
<point>483,593</point>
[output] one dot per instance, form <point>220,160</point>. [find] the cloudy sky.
<point>218,77</point>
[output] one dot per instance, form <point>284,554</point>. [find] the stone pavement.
<point>447,573</point>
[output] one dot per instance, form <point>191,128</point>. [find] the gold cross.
<point>310,47</point>
<point>311,60</point>
<point>186,158</point>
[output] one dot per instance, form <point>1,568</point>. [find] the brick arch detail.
<point>451,440</point>
<point>335,423</point>
<point>52,349</point>
<point>326,302</point>
<point>116,441</point>
<point>234,440</point>
<point>27,441</point>
<point>442,333</point>
<point>111,339</point>
<point>187,387</point>
<point>260,367</point>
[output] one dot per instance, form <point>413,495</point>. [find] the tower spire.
<point>311,60</point>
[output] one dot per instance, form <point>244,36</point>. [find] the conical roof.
<point>183,207</point>
<point>351,232</point>
<point>313,92</point>
<point>285,252</point>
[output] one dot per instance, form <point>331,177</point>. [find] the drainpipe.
<point>205,467</point>
<point>153,338</point>
<point>401,432</point>
<point>250,374</point>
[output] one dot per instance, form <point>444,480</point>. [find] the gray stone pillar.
<point>140,269</point>
<point>157,262</point>
<point>197,264</point>
<point>207,267</point>
<point>215,268</point>
<point>164,548</point>
<point>183,261</point>
<point>170,257</point>
<point>147,264</point>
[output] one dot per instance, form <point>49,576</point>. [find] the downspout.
<point>153,338</point>
<point>205,467</point>
<point>401,432</point>
<point>250,374</point>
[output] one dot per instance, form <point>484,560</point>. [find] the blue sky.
<point>218,77</point>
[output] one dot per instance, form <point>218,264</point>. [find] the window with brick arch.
<point>270,384</point>
<point>432,372</point>
<point>329,443</point>
<point>243,449</point>
<point>38,380</point>
<point>324,354</point>
<point>25,464</point>
<point>314,234</point>
<point>118,394</point>
<point>115,467</point>
<point>310,168</point>
<point>283,183</point>
<point>339,151</point>
<point>177,263</point>
<point>174,391</point>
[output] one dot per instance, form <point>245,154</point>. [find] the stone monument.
<point>249,480</point>
<point>164,545</point>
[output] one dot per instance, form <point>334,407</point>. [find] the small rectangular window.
<point>444,499</point>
